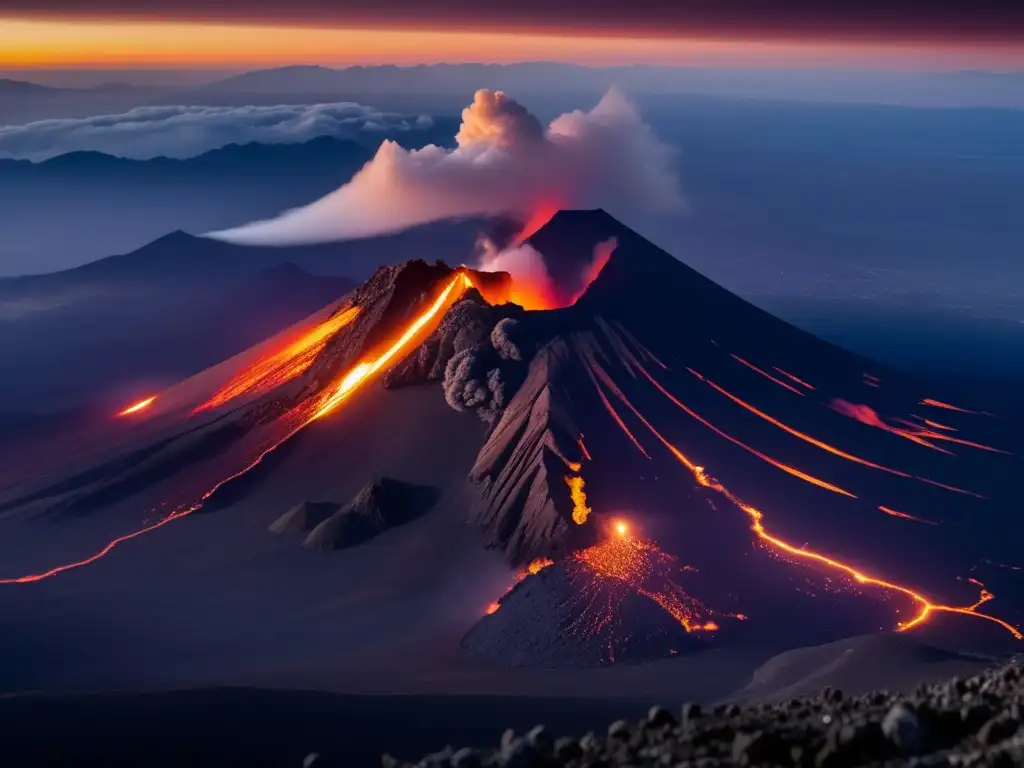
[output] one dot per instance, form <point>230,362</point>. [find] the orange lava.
<point>648,571</point>
<point>493,608</point>
<point>367,368</point>
<point>936,425</point>
<point>926,607</point>
<point>825,446</point>
<point>791,377</point>
<point>538,565</point>
<point>767,375</point>
<point>274,369</point>
<point>583,449</point>
<point>867,415</point>
<point>139,406</point>
<point>905,516</point>
<point>768,459</point>
<point>580,510</point>
<point>351,382</point>
<point>806,438</point>
<point>948,407</point>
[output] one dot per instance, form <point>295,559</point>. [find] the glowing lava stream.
<point>139,406</point>
<point>948,407</point>
<point>791,377</point>
<point>757,526</point>
<point>767,375</point>
<point>274,369</point>
<point>779,465</point>
<point>825,446</point>
<point>366,369</point>
<point>352,381</point>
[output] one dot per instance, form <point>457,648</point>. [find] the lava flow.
<point>832,449</point>
<point>139,406</point>
<point>580,510</point>
<point>364,370</point>
<point>947,407</point>
<point>274,369</point>
<point>640,565</point>
<point>351,382</point>
<point>767,375</point>
<point>777,464</point>
<point>791,377</point>
<point>780,546</point>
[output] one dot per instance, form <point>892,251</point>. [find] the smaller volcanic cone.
<point>615,602</point>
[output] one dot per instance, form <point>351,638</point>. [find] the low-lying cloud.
<point>505,162</point>
<point>181,132</point>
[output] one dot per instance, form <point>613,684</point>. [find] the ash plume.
<point>505,162</point>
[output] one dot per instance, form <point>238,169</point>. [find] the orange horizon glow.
<point>42,42</point>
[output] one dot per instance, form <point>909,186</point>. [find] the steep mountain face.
<point>762,457</point>
<point>699,471</point>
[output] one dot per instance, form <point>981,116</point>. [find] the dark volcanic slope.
<point>791,477</point>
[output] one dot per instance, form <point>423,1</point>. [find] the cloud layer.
<point>180,132</point>
<point>505,162</point>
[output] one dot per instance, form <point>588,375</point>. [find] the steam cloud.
<point>505,162</point>
<point>180,132</point>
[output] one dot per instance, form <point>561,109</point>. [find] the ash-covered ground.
<point>974,721</point>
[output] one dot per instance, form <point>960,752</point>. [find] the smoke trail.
<point>505,162</point>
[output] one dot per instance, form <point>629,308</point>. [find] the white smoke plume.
<point>505,162</point>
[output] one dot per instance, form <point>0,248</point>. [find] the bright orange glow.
<point>274,369</point>
<point>538,565</point>
<point>367,368</point>
<point>807,438</point>
<point>905,516</point>
<point>767,375</point>
<point>621,528</point>
<point>791,377</point>
<point>948,407</point>
<point>92,43</point>
<point>580,510</point>
<point>139,406</point>
<point>925,606</point>
<point>493,608</point>
<point>867,415</point>
<point>768,459</point>
<point>648,571</point>
<point>351,382</point>
<point>825,446</point>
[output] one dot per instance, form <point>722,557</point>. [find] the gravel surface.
<point>975,721</point>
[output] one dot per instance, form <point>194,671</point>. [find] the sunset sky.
<point>251,33</point>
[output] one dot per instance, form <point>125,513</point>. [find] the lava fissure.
<point>768,459</point>
<point>276,368</point>
<point>351,382</point>
<point>767,375</point>
<point>139,406</point>
<point>926,607</point>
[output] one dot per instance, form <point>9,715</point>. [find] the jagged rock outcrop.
<point>303,517</point>
<point>563,616</point>
<point>381,505</point>
<point>465,326</point>
<point>525,508</point>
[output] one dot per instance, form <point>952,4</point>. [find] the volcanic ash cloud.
<point>505,162</point>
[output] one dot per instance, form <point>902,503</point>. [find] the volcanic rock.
<point>466,325</point>
<point>525,509</point>
<point>564,616</point>
<point>379,506</point>
<point>303,517</point>
<point>815,731</point>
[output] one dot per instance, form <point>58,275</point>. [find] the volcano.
<point>654,468</point>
